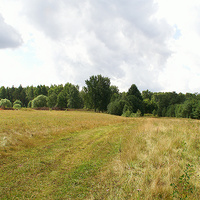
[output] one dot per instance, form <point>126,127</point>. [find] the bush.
<point>17,102</point>
<point>17,106</point>
<point>116,107</point>
<point>39,101</point>
<point>5,103</point>
<point>128,113</point>
<point>154,112</point>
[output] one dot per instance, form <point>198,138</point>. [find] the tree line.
<point>100,95</point>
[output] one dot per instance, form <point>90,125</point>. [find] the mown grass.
<point>83,155</point>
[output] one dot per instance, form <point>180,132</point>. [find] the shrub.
<point>17,106</point>
<point>5,103</point>
<point>154,112</point>
<point>17,102</point>
<point>127,113</point>
<point>116,107</point>
<point>39,101</point>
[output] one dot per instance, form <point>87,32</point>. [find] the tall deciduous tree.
<point>97,92</point>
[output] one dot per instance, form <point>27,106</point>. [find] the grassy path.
<point>63,169</point>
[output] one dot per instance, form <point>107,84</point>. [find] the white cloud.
<point>94,37</point>
<point>181,72</point>
<point>144,42</point>
<point>9,37</point>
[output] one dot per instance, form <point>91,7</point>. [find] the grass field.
<point>85,155</point>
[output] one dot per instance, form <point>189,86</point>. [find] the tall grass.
<point>82,155</point>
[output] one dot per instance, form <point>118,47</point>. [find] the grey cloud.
<point>112,34</point>
<point>9,37</point>
<point>57,19</point>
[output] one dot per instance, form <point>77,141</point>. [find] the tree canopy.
<point>100,95</point>
<point>97,92</point>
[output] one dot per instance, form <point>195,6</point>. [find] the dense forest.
<point>100,95</point>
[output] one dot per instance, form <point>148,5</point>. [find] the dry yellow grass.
<point>24,129</point>
<point>154,154</point>
<point>83,155</point>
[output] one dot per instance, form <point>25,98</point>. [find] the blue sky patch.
<point>177,33</point>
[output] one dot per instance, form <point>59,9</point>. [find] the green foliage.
<point>146,94</point>
<point>133,90</point>
<point>30,104</point>
<point>116,107</point>
<point>114,93</point>
<point>3,93</point>
<point>74,99</point>
<point>17,106</point>
<point>128,113</point>
<point>165,100</point>
<point>97,92</point>
<point>62,100</point>
<point>52,100</point>
<point>133,104</point>
<point>17,102</point>
<point>183,187</point>
<point>5,103</point>
<point>55,89</point>
<point>100,96</point>
<point>30,93</point>
<point>149,106</point>
<point>39,101</point>
<point>154,112</point>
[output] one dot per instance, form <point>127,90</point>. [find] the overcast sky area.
<point>154,44</point>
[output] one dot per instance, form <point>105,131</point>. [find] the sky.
<point>154,44</point>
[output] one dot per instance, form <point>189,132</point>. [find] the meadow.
<point>86,155</point>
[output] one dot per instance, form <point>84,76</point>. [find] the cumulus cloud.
<point>9,37</point>
<point>119,39</point>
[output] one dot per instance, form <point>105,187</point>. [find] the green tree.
<point>146,94</point>
<point>30,93</point>
<point>97,92</point>
<point>73,97</point>
<point>134,100</point>
<point>52,100</point>
<point>114,93</point>
<point>149,106</point>
<point>3,93</point>
<point>55,89</point>
<point>37,91</point>
<point>44,90</point>
<point>23,97</point>
<point>133,90</point>
<point>196,112</point>
<point>62,100</point>
<point>10,93</point>
<point>133,104</point>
